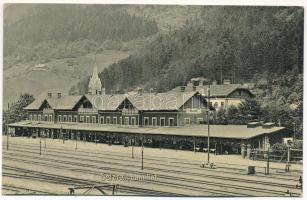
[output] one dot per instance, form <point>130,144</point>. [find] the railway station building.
<point>159,120</point>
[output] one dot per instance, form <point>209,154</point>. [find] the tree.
<point>221,117</point>
<point>16,112</point>
<point>249,109</point>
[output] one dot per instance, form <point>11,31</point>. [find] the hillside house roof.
<point>215,90</point>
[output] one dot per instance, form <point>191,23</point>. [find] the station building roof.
<point>216,131</point>
<point>110,102</point>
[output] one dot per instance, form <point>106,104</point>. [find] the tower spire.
<point>95,87</point>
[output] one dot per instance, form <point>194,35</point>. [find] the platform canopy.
<point>216,131</point>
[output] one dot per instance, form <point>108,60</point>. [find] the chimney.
<point>49,94</point>
<point>182,88</point>
<point>59,95</point>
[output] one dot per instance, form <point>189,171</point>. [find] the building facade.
<point>169,120</point>
<point>221,96</point>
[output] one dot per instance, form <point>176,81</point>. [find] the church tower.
<point>94,86</point>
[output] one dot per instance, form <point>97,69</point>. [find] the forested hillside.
<point>238,43</point>
<point>46,32</point>
<point>47,42</point>
<point>245,44</point>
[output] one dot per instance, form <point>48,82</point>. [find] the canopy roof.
<point>216,131</point>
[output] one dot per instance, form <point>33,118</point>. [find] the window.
<point>30,117</point>
<point>108,120</point>
<point>222,104</point>
<point>35,117</point>
<point>46,118</point>
<point>187,120</point>
<point>59,118</point>
<point>70,118</point>
<point>39,117</point>
<point>200,119</point>
<point>120,120</point>
<point>114,120</point>
<point>216,104</point>
<point>154,121</point>
<point>162,121</point>
<point>146,121</point>
<point>171,121</point>
<point>126,121</point>
<point>94,119</point>
<point>101,120</point>
<point>133,121</point>
<point>76,118</point>
<point>50,118</point>
<point>64,118</point>
<point>81,119</point>
<point>87,119</point>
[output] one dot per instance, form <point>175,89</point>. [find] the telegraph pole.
<point>7,138</point>
<point>142,154</point>
<point>132,145</point>
<point>208,105</point>
<point>76,141</point>
<point>40,145</point>
<point>7,127</point>
<point>268,162</point>
<point>45,141</point>
<point>45,136</point>
<point>62,134</point>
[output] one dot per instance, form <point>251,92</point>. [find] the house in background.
<point>221,96</point>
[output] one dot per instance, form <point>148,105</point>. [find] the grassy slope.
<point>26,78</point>
<point>55,74</point>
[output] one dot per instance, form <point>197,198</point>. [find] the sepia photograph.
<point>152,100</point>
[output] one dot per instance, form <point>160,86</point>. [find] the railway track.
<point>149,162</point>
<point>166,177</point>
<point>154,169</point>
<point>93,162</point>
<point>51,178</point>
<point>189,164</point>
<point>23,190</point>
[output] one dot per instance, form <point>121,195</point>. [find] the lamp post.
<point>208,107</point>
<point>142,154</point>
<point>7,137</point>
<point>40,145</point>
<point>76,137</point>
<point>45,137</point>
<point>132,145</point>
<point>7,127</point>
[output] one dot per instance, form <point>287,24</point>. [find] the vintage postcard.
<point>152,100</point>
